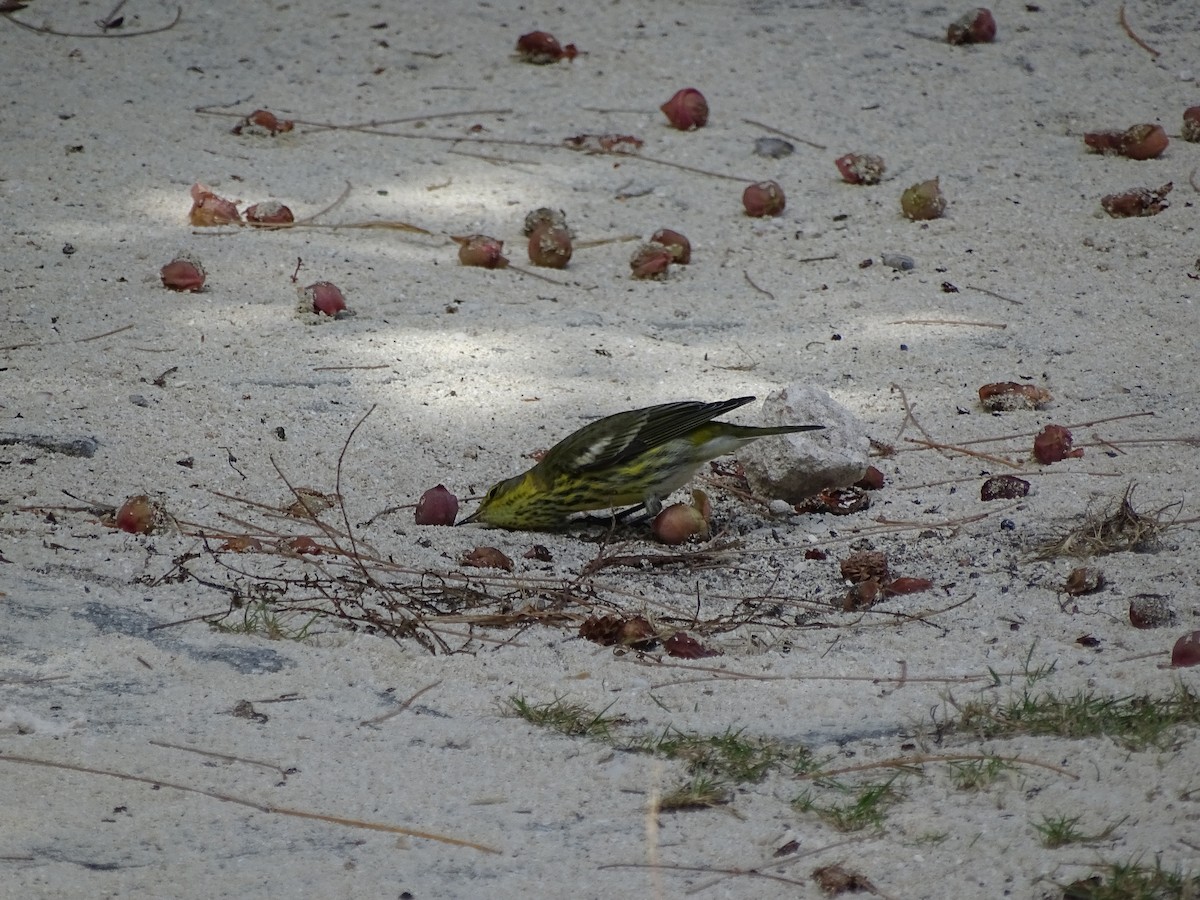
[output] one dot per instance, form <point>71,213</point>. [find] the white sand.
<point>467,370</point>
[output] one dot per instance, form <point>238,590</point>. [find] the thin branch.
<point>972,287</point>
<point>750,281</point>
<point>954,448</point>
<point>261,807</point>
<point>790,137</point>
<point>401,708</point>
<point>41,29</point>
<point>909,417</point>
<point>999,325</point>
<point>222,756</point>
<point>1129,31</point>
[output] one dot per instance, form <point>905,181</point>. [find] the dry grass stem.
<point>1118,528</point>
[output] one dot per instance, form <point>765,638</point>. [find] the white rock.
<point>796,466</point>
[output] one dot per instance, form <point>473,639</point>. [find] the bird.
<point>634,458</point>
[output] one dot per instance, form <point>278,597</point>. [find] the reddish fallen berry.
<point>183,273</point>
<point>1186,651</point>
<point>139,515</point>
<point>437,506</point>
<point>487,558</point>
<point>872,480</point>
<point>1137,202</point>
<point>680,246</point>
<point>764,198</point>
<point>326,298</point>
<point>681,522</point>
<point>480,250</point>
<point>550,246</point>
<point>209,210</point>
<point>1151,611</point>
<point>1004,396</point>
<point>1140,142</point>
<point>687,110</point>
<point>263,122</point>
<point>269,212</point>
<point>860,168</point>
<point>975,27</point>
<point>651,261</point>
<point>1191,124</point>
<point>542,48</point>
<point>1053,443</point>
<point>1004,487</point>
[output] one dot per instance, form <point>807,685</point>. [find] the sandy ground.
<point>213,402</point>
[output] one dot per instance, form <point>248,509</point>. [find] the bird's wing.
<point>619,438</point>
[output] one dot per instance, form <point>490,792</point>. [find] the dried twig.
<point>909,417</point>
<point>750,281</point>
<point>790,137</point>
<point>41,29</point>
<point>956,448</point>
<point>972,287</point>
<point>261,807</point>
<point>222,756</point>
<point>391,713</point>
<point>999,325</point>
<point>1129,31</point>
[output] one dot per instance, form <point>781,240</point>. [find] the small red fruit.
<point>680,246</point>
<point>550,246</point>
<point>325,298</point>
<point>1053,443</point>
<point>1004,487</point>
<point>1140,142</point>
<point>437,506</point>
<point>269,212</point>
<point>480,250</point>
<point>263,122</point>
<point>687,110</point>
<point>542,48</point>
<point>764,198</point>
<point>487,558</point>
<point>860,168</point>
<point>1191,124</point>
<point>1186,651</point>
<point>139,515</point>
<point>682,521</point>
<point>975,27</point>
<point>209,210</point>
<point>183,273</point>
<point>1137,202</point>
<point>651,261</point>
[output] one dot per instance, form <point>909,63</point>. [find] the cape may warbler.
<point>631,458</point>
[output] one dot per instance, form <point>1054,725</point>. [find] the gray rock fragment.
<point>797,466</point>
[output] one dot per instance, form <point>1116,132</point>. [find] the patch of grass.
<point>701,792</point>
<point>977,774</point>
<point>714,762</point>
<point>931,838</point>
<point>866,807</point>
<point>730,756</point>
<point>1134,722</point>
<point>1059,831</point>
<point>1133,881</point>
<point>261,618</point>
<point>573,719</point>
